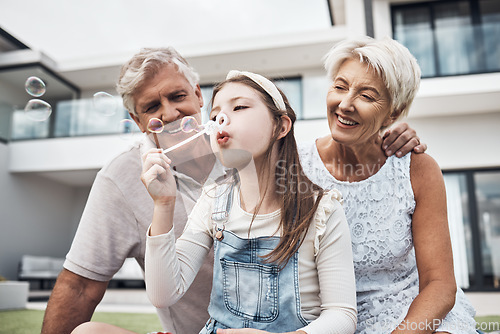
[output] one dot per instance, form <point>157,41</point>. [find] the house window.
<point>473,199</point>
<point>450,37</point>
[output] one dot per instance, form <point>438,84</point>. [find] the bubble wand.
<point>155,136</point>
<point>188,124</point>
<point>155,126</point>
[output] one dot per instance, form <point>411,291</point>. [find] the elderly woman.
<point>395,206</point>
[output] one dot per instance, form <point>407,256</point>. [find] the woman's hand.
<point>401,139</point>
<point>251,331</point>
<point>157,176</point>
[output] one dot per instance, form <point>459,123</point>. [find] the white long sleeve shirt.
<point>326,274</point>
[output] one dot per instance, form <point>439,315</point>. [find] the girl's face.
<point>358,104</point>
<point>249,126</point>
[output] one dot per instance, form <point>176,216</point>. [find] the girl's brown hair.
<point>298,205</point>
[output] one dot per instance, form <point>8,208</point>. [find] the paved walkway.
<point>136,301</point>
<point>114,300</point>
<point>485,303</point>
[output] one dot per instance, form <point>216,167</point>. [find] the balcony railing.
<point>74,118</point>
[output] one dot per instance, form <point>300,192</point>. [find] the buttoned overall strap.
<point>223,202</point>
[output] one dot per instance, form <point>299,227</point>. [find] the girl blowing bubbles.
<point>283,259</point>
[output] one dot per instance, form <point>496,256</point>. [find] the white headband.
<point>263,82</point>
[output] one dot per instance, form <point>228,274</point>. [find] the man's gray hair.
<point>391,60</point>
<point>144,66</point>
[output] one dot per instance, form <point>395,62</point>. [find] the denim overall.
<point>246,291</point>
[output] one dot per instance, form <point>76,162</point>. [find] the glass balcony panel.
<point>23,127</point>
<point>83,117</point>
<point>5,121</point>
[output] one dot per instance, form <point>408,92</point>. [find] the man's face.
<point>167,96</point>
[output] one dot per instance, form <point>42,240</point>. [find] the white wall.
<point>36,217</point>
<point>461,141</point>
<point>80,199</point>
<point>65,154</point>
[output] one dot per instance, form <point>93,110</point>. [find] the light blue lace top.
<point>379,212</point>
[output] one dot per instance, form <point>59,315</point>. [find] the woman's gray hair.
<point>391,60</point>
<point>144,66</point>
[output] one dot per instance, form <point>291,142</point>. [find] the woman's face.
<point>358,104</point>
<point>249,125</point>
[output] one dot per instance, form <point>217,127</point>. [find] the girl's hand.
<point>157,176</point>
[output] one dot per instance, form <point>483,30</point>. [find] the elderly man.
<point>155,83</point>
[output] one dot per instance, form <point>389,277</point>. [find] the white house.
<point>47,168</point>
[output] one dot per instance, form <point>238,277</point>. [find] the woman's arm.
<point>432,243</point>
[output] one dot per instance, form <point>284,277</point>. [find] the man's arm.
<point>72,302</point>
<point>400,140</point>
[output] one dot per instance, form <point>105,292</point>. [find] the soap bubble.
<point>38,110</point>
<point>35,86</point>
<point>155,125</point>
<point>189,124</point>
<point>125,125</point>
<point>105,103</point>
<point>128,130</point>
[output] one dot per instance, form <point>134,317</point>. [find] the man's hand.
<point>72,302</point>
<point>401,139</point>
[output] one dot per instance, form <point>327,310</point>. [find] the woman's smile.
<point>345,122</point>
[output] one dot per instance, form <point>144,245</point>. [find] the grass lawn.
<point>30,321</point>
<point>488,324</point>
